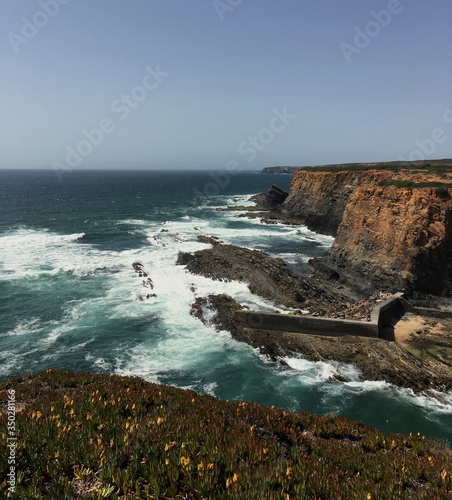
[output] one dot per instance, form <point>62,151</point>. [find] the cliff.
<point>318,199</point>
<point>388,165</point>
<point>394,238</point>
<point>393,228</point>
<point>279,170</point>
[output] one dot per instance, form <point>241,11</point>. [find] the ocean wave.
<point>321,371</point>
<point>24,327</point>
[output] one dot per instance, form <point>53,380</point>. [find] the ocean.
<point>69,296</point>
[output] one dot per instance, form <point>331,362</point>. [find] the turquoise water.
<point>69,295</point>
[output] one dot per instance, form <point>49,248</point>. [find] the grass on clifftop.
<point>436,167</point>
<point>98,436</point>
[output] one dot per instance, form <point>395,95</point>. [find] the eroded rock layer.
<point>394,238</point>
<point>393,228</point>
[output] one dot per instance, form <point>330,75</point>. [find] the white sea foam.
<point>8,361</point>
<point>293,258</point>
<point>436,402</point>
<point>24,327</point>
<point>227,201</point>
<point>30,253</point>
<point>320,371</point>
<point>210,388</point>
<point>25,238</point>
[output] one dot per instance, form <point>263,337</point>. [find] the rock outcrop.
<point>276,196</point>
<point>267,277</point>
<point>145,283</point>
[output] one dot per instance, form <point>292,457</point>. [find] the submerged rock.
<point>146,283</point>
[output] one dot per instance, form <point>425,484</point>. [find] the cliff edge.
<point>393,226</point>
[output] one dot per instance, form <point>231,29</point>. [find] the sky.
<point>220,84</point>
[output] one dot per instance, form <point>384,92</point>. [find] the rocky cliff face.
<point>394,238</point>
<point>388,238</point>
<point>318,199</point>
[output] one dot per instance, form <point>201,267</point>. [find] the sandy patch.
<point>411,325</point>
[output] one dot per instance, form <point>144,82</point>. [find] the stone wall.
<point>381,317</point>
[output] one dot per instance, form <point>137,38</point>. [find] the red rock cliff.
<point>388,238</point>
<point>318,199</point>
<point>394,238</point>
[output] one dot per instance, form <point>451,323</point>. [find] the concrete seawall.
<point>381,317</point>
<point>431,313</point>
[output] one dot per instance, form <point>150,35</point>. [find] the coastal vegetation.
<point>432,167</point>
<point>105,436</point>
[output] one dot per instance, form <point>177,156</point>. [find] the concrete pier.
<point>381,318</point>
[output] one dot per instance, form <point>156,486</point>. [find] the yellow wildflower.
<point>170,445</point>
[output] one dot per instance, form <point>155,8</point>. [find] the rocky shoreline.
<point>267,277</point>
<point>416,360</point>
<point>376,359</point>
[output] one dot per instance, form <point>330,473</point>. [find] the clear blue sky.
<point>225,67</point>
